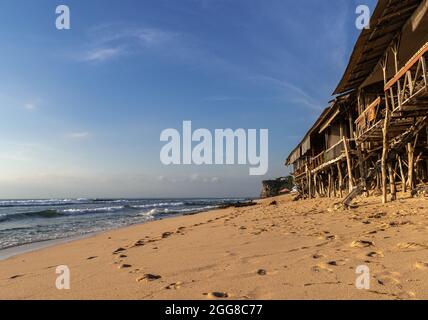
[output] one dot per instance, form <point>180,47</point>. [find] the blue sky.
<point>82,110</point>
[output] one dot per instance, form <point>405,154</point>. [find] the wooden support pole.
<point>362,169</point>
<point>349,164</point>
<point>334,182</point>
<point>403,177</point>
<point>309,180</point>
<point>339,172</point>
<point>410,156</point>
<point>384,156</point>
<point>329,184</point>
<point>385,134</point>
<point>316,185</point>
<point>392,182</point>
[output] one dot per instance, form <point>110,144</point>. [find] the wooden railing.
<point>317,161</point>
<point>369,117</point>
<point>332,153</point>
<point>328,155</point>
<point>410,81</point>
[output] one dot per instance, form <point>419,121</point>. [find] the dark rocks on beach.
<point>273,203</point>
<point>238,205</point>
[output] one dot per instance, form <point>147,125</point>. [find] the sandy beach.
<point>291,250</point>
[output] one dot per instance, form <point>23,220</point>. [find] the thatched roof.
<point>386,23</point>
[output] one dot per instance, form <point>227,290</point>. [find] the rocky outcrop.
<point>272,188</point>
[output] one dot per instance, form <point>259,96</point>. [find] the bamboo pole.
<point>385,134</point>
<point>410,155</point>
<point>349,164</point>
<point>384,156</point>
<point>339,170</point>
<point>316,185</point>
<point>392,182</point>
<point>403,177</point>
<point>362,169</point>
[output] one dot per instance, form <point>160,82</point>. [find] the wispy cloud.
<point>107,42</point>
<point>101,54</point>
<point>30,106</point>
<point>224,98</point>
<point>298,95</point>
<point>193,178</point>
<point>203,179</point>
<point>78,135</point>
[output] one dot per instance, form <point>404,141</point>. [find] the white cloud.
<point>102,54</point>
<point>203,179</point>
<point>300,96</point>
<point>30,106</point>
<point>78,135</point>
<point>107,42</point>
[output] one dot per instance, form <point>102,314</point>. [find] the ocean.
<point>30,221</point>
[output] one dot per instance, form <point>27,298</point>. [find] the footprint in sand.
<point>166,235</point>
<point>406,295</point>
<point>91,258</point>
<point>175,286</point>
<point>329,238</point>
<point>362,244</point>
<point>411,245</point>
<point>139,243</point>
<point>16,276</point>
<point>317,256</point>
<point>217,295</point>
<point>378,215</point>
<point>421,265</point>
<point>336,263</point>
<point>375,254</point>
<point>261,272</point>
<point>388,278</point>
<point>119,250</point>
<point>124,266</point>
<point>149,277</point>
<point>321,266</point>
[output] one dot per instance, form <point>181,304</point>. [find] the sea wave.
<point>32,214</point>
<point>157,211</point>
<point>77,211</point>
<point>52,213</point>
<point>46,202</point>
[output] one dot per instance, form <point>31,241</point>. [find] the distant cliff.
<point>271,188</point>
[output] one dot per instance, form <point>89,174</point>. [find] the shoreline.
<point>9,252</point>
<point>291,250</point>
